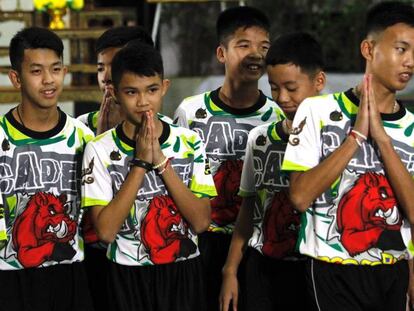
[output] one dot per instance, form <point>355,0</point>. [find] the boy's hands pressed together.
<point>157,154</point>
<point>376,129</point>
<point>362,119</point>
<point>109,112</point>
<point>144,140</point>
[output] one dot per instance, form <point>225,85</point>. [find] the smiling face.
<point>290,86</point>
<point>244,53</point>
<point>40,78</point>
<point>138,94</point>
<point>390,56</point>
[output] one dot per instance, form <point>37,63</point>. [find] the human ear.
<point>220,53</point>
<point>320,81</point>
<point>366,48</point>
<point>165,85</point>
<point>15,78</point>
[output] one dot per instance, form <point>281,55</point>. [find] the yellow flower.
<point>58,4</point>
<point>76,4</point>
<point>40,4</point>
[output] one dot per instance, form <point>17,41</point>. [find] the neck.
<point>384,98</point>
<point>132,130</point>
<point>239,95</point>
<point>37,119</point>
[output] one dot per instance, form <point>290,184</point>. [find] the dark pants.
<point>214,248</point>
<point>358,288</point>
<point>273,284</point>
<point>170,287</point>
<point>61,287</point>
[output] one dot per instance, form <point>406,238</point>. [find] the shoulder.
<point>179,131</point>
<point>260,130</point>
<point>164,118</point>
<point>104,139</point>
<point>82,129</point>
<point>190,102</point>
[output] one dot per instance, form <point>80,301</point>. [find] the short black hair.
<point>298,48</point>
<point>388,13</point>
<point>239,17</point>
<point>33,38</point>
<point>120,36</point>
<point>140,59</point>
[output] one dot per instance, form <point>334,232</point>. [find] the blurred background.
<point>184,32</point>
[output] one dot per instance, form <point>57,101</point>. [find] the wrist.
<point>164,166</point>
<point>140,163</point>
<point>229,270</point>
<point>160,164</point>
<point>383,141</point>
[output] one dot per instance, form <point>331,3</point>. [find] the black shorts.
<point>170,287</point>
<point>61,287</point>
<point>273,284</point>
<point>96,266</point>
<point>214,248</point>
<point>358,288</point>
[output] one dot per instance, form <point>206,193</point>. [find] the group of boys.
<point>239,204</point>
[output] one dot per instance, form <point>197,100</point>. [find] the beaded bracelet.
<point>160,164</point>
<point>165,167</point>
<point>359,134</point>
<point>354,135</point>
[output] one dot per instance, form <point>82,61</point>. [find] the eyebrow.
<point>59,63</point>
<point>402,42</point>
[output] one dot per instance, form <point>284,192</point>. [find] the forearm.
<point>305,187</point>
<point>195,210</point>
<point>109,219</point>
<point>399,178</point>
<point>242,232</point>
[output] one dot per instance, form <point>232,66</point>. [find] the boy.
<point>266,219</point>
<point>355,184</point>
<point>42,147</point>
<point>135,181</point>
<point>223,118</point>
<point>107,45</point>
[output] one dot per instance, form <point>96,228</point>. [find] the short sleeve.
<point>247,183</point>
<point>303,149</point>
<point>180,116</point>
<point>96,181</point>
<point>202,183</point>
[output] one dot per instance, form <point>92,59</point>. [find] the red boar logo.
<point>367,212</point>
<point>226,205</point>
<point>43,231</point>
<point>164,233</point>
<point>280,227</point>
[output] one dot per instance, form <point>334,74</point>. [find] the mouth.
<point>178,228</point>
<point>405,76</point>
<point>391,216</point>
<point>254,66</point>
<point>61,229</point>
<point>50,93</point>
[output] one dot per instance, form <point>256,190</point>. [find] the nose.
<point>410,60</point>
<point>141,100</point>
<point>107,79</point>
<point>283,96</point>
<point>47,77</point>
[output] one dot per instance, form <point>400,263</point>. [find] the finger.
<point>235,300</point>
<point>148,118</point>
<point>224,305</point>
<point>365,95</point>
